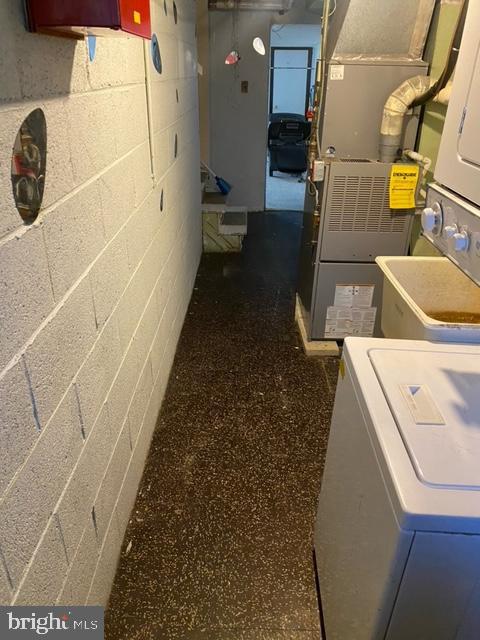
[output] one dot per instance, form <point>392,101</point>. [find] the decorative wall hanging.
<point>232,58</point>
<point>259,46</point>
<point>91,46</point>
<point>29,160</point>
<point>156,56</point>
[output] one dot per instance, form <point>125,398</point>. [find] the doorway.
<point>293,52</point>
<point>290,79</point>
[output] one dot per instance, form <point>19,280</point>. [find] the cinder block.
<point>11,120</point>
<point>158,349</point>
<point>164,104</point>
<point>109,276</point>
<point>91,126</point>
<point>142,227</point>
<point>122,389</point>
<point>150,267</point>
<point>74,236</point>
<point>162,152</point>
<point>59,178</point>
<point>59,349</point>
<point>142,168</point>
<point>163,286</point>
<point>129,67</point>
<point>117,194</point>
<point>130,117</point>
<point>169,53</point>
<point>112,482</point>
<point>75,505</point>
<point>146,330</point>
<point>47,570</point>
<point>128,492</point>
<point>49,68</point>
<point>106,567</point>
<point>9,73</point>
<point>140,400</point>
<point>18,428</point>
<point>26,296</point>
<point>187,60</point>
<point>97,374</point>
<point>82,567</point>
<point>30,500</point>
<point>131,307</point>
<point>5,591</point>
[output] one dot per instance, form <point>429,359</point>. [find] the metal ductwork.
<point>389,29</point>
<point>250,5</point>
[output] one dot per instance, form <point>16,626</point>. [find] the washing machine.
<point>397,535</point>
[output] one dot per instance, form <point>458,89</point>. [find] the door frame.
<point>309,73</point>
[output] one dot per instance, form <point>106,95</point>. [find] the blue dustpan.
<point>223,186</point>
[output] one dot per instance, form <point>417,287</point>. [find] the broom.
<point>223,186</point>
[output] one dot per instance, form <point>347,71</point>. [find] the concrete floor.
<point>219,545</point>
<point>283,191</point>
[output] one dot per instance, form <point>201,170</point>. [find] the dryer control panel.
<point>453,226</point>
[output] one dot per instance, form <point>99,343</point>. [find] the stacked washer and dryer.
<point>397,537</point>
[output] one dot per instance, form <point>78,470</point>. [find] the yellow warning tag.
<point>403,186</point>
<point>137,18</point>
<point>341,368</point>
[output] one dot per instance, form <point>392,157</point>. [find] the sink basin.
<point>428,299</point>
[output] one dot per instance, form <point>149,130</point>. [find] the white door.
<point>290,79</point>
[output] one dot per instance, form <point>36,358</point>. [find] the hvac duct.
<point>394,112</point>
<point>250,5</point>
<point>387,29</point>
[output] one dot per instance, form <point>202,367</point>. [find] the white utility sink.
<point>428,299</point>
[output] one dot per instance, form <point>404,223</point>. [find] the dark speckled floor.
<point>221,532</point>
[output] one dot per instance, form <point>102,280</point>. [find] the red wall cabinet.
<point>76,18</point>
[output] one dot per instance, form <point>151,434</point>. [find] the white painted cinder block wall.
<point>92,295</point>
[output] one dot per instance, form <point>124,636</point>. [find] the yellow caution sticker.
<point>137,18</point>
<point>403,186</point>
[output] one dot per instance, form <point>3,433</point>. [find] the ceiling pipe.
<point>250,5</point>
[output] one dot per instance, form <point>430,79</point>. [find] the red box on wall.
<point>76,18</point>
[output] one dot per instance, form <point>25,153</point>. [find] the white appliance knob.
<point>432,218</point>
<point>450,230</point>
<point>460,241</point>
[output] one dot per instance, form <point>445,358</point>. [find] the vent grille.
<point>360,203</point>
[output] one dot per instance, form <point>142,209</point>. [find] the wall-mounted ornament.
<point>259,46</point>
<point>156,56</point>
<point>29,161</point>
<point>91,46</point>
<point>232,58</point>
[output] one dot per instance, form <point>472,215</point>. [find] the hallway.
<point>219,545</point>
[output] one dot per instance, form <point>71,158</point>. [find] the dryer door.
<point>458,165</point>
<point>469,139</point>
